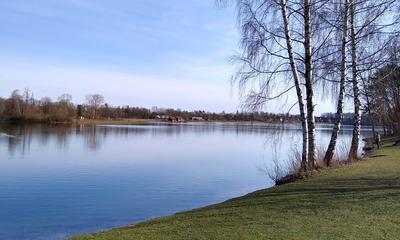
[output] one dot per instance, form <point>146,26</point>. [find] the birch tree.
<point>356,85</point>
<point>344,14</point>
<point>373,26</point>
<point>296,79</point>
<point>281,42</point>
<point>308,77</point>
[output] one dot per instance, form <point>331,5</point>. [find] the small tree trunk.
<point>309,84</point>
<point>342,89</point>
<point>296,77</point>
<point>368,102</point>
<point>353,154</point>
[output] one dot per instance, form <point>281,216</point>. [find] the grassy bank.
<point>358,201</point>
<point>124,121</point>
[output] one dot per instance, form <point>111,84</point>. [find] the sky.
<point>170,53</point>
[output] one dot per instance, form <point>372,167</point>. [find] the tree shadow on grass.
<point>315,195</point>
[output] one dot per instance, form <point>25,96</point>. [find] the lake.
<point>62,180</point>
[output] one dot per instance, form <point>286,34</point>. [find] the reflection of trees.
<point>19,137</point>
<point>13,139</point>
<point>95,136</point>
<point>12,145</point>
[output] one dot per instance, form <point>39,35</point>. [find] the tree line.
<point>21,106</point>
<point>343,49</point>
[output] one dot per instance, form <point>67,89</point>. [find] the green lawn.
<point>360,201</point>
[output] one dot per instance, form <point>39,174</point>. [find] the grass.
<point>358,201</point>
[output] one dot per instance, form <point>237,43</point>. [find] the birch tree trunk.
<point>342,88</point>
<point>297,82</point>
<point>353,154</point>
<point>309,84</point>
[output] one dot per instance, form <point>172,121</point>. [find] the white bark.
<point>309,83</point>
<point>297,82</point>
<point>353,154</point>
<point>342,89</point>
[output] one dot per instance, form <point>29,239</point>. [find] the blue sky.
<point>170,53</point>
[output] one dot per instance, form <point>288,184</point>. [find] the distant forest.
<point>21,106</point>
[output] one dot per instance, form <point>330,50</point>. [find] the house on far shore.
<point>167,118</point>
<point>180,119</point>
<point>162,117</point>
<point>198,119</point>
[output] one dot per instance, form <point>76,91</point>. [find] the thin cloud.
<point>119,88</point>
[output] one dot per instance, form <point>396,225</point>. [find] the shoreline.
<point>138,121</point>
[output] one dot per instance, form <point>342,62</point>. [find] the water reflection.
<point>18,138</point>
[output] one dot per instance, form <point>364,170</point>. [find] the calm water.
<point>58,181</point>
